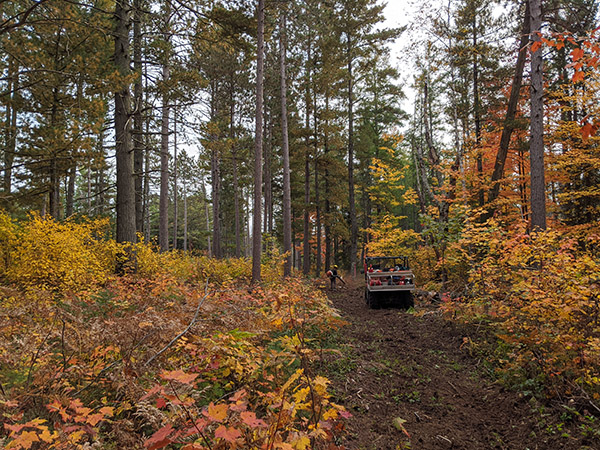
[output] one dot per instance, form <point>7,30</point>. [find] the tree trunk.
<point>215,175</point>
<point>207,220</point>
<point>351,199</point>
<point>138,121</point>
<point>185,220</point>
<point>477,114</point>
<point>236,206</point>
<point>511,110</point>
<point>70,191</point>
<point>175,191</point>
<point>536,145</point>
<point>327,193</point>
<point>163,209</point>
<point>54,190</point>
<point>285,149</point>
<point>125,182</point>
<point>268,182</point>
<point>10,146</point>
<point>258,143</point>
<point>307,204</point>
<point>318,261</point>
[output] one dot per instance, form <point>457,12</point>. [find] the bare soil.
<point>416,370</point>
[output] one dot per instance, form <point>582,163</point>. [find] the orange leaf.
<point>93,419</point>
<point>216,413</point>
<point>576,53</point>
<point>230,434</point>
<point>249,418</point>
<point>586,131</point>
<point>578,76</point>
<point>179,375</point>
<point>25,440</point>
<point>536,46</point>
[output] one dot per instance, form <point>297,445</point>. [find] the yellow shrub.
<point>61,256</point>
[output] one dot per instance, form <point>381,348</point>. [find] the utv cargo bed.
<point>389,282</point>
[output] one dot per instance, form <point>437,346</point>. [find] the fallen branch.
<point>176,338</point>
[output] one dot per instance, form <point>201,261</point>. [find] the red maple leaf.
<point>230,434</point>
<point>250,419</point>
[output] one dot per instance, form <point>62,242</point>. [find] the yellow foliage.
<point>49,255</point>
<point>389,239</point>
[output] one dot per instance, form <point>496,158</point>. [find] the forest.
<point>178,176</point>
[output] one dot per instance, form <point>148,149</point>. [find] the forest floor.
<point>417,370</point>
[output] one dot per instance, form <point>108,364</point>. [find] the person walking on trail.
<point>333,276</point>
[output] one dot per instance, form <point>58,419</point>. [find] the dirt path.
<point>396,365</point>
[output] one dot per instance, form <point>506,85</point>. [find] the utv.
<point>389,281</point>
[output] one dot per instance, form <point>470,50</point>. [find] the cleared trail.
<point>418,372</point>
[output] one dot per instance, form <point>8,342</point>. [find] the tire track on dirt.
<point>396,365</point>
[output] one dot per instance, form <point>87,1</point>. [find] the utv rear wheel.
<point>407,300</point>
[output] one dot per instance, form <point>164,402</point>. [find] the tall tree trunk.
<point>207,220</point>
<point>351,199</point>
<point>236,205</point>
<point>54,189</point>
<point>163,208</point>
<point>319,260</point>
<point>215,176</point>
<point>175,190</point>
<point>88,194</point>
<point>70,191</point>
<point>511,110</point>
<point>236,182</point>
<point>125,182</point>
<point>258,143</point>
<point>10,146</point>
<point>185,219</point>
<point>138,121</point>
<point>327,187</point>
<point>306,231</point>
<point>147,183</point>
<point>268,182</point>
<point>285,149</point>
<point>477,113</point>
<point>307,204</point>
<point>536,145</point>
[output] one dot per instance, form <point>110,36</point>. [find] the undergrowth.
<point>184,354</point>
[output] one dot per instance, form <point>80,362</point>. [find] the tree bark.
<point>215,175</point>
<point>163,208</point>
<point>285,149</point>
<point>536,145</point>
<point>138,121</point>
<point>69,199</point>
<point>307,204</point>
<point>268,182</point>
<point>236,205</point>
<point>327,193</point>
<point>185,219</point>
<point>511,110</point>
<point>351,199</point>
<point>258,144</point>
<point>175,190</point>
<point>477,114</point>
<point>125,183</point>
<point>10,144</point>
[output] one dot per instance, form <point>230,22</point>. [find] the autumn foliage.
<point>539,293</point>
<point>183,355</point>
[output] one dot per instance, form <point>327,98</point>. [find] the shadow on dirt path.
<point>395,366</point>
